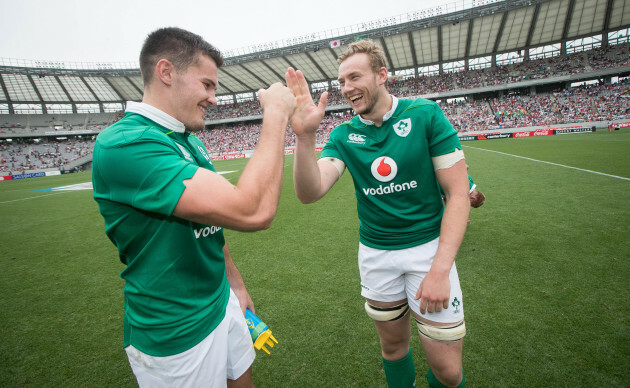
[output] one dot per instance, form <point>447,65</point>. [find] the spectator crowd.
<point>21,157</point>
<point>585,103</point>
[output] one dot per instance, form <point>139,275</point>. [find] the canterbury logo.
<point>356,138</point>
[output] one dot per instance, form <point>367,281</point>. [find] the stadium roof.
<point>431,37</point>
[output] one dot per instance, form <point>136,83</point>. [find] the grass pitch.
<point>544,270</point>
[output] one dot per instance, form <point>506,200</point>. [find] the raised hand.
<point>307,115</point>
<point>277,97</point>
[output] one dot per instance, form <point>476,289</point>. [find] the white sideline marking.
<point>24,199</point>
<point>555,164</point>
<point>80,186</point>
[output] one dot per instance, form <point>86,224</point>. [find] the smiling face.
<point>194,91</point>
<point>361,86</point>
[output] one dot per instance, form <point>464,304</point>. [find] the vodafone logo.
<point>205,155</point>
<point>384,169</point>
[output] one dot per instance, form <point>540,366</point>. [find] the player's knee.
<point>453,378</point>
<point>394,350</point>
<point>445,376</point>
<point>452,333</point>
<point>386,314</point>
<point>394,346</point>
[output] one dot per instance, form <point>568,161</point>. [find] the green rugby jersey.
<point>398,198</point>
<point>175,287</point>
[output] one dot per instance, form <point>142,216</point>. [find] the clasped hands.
<point>294,101</point>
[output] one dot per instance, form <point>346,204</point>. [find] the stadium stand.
<point>26,157</point>
<point>560,81</point>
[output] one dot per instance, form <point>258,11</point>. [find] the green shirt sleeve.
<point>147,175</point>
<point>442,136</point>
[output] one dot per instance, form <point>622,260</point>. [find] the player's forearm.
<point>453,228</point>
<point>236,282</point>
<point>306,173</point>
<point>231,272</point>
<point>251,204</point>
<point>262,177</point>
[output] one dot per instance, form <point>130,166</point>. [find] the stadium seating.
<point>235,127</point>
<point>24,157</point>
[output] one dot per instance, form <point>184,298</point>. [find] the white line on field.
<point>555,164</point>
<point>38,196</point>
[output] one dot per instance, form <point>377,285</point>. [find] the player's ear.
<point>382,75</point>
<point>164,71</point>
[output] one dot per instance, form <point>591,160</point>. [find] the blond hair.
<point>374,52</point>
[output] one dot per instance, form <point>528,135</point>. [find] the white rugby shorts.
<point>393,275</point>
<point>226,353</point>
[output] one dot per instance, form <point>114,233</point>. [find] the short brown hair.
<point>180,47</point>
<point>374,52</point>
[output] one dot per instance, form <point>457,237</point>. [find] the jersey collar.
<point>387,115</point>
<point>156,115</point>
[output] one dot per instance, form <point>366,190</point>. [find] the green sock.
<point>435,383</point>
<point>401,373</point>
